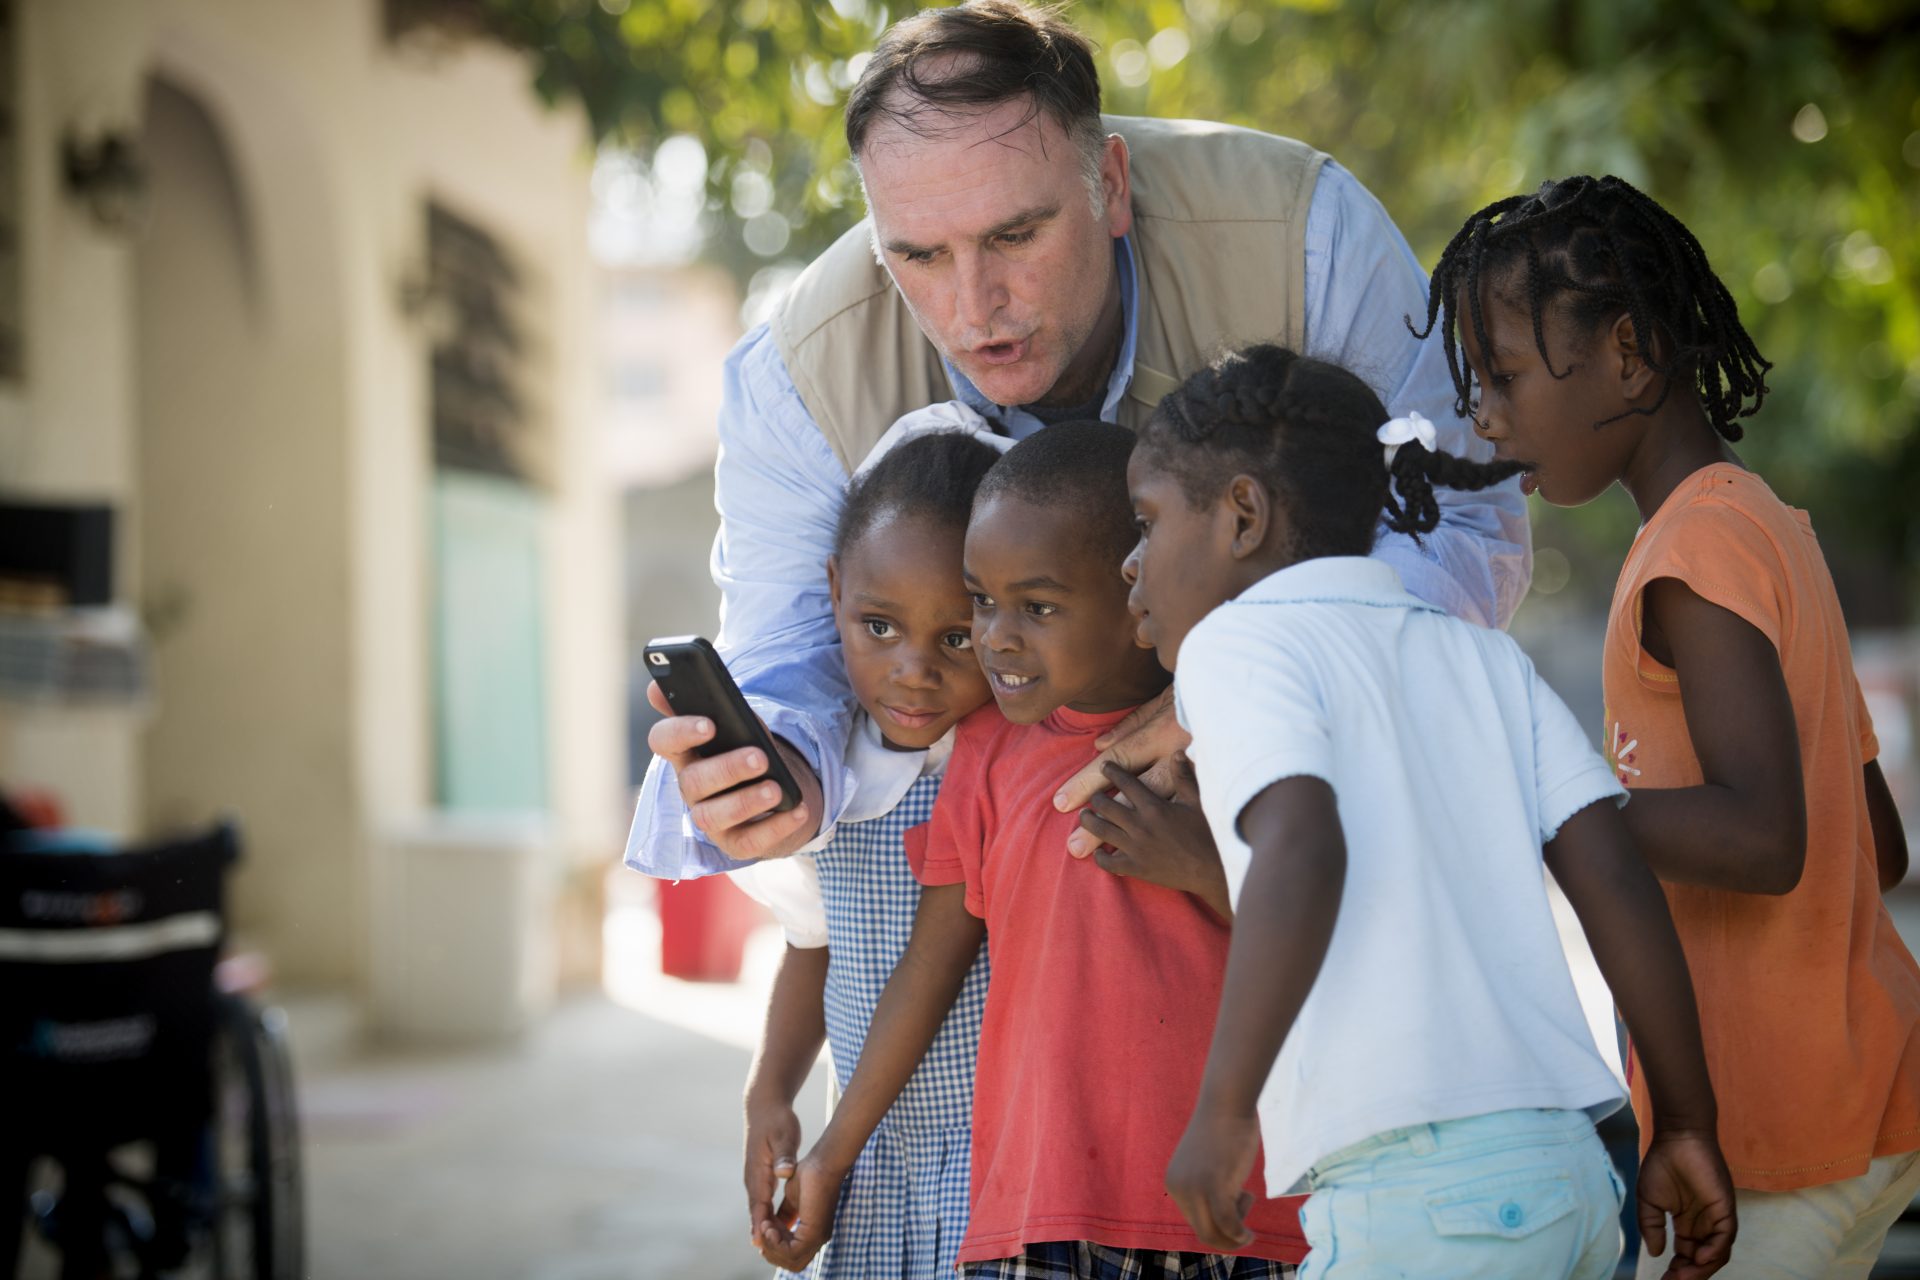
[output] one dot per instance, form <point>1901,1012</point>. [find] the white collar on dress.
<point>883,775</point>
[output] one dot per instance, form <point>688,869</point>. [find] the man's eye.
<point>880,630</point>
<point>1012,238</point>
<point>921,256</point>
<point>960,640</point>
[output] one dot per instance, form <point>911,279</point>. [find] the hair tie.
<point>1399,431</point>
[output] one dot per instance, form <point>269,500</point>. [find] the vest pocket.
<point>1510,1206</point>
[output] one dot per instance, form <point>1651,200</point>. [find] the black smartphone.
<point>689,671</point>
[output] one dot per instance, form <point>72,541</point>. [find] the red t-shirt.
<point>1099,1012</point>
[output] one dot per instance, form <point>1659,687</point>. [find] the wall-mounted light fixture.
<point>109,175</point>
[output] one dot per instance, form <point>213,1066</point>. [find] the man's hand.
<point>1684,1175</point>
<point>1165,842</point>
<point>740,823</point>
<point>1144,743</point>
<point>773,1139</point>
<point>804,1222</point>
<point>1208,1176</point>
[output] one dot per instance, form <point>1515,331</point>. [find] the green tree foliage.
<point>1786,133</point>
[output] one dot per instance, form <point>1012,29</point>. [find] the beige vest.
<point>1219,238</point>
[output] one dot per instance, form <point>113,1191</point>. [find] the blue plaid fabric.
<point>1083,1260</point>
<point>904,1208</point>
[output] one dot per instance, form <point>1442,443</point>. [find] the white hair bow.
<point>950,415</point>
<point>1399,431</point>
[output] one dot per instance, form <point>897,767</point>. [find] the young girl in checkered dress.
<point>848,902</point>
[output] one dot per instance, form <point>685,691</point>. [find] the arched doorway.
<point>243,546</point>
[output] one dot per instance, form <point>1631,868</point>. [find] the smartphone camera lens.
<point>657,659</point>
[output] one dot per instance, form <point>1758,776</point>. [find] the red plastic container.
<point>704,925</point>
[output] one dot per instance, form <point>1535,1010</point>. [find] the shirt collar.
<point>1360,580</point>
<point>879,775</point>
<point>1018,422</point>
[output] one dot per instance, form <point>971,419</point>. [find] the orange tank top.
<point>1809,1001</point>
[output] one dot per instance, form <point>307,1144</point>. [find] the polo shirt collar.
<point>1335,580</point>
<point>1018,422</point>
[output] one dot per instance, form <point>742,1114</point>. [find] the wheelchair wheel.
<point>258,1224</point>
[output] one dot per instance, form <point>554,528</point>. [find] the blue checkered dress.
<point>904,1208</point>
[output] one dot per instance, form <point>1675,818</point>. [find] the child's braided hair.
<point>1608,248</point>
<point>1307,430</point>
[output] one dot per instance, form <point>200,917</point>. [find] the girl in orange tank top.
<point>1592,343</point>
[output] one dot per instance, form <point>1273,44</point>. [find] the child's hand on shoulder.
<point>1164,842</point>
<point>773,1140</point>
<point>1208,1176</point>
<point>1685,1175</point>
<point>804,1221</point>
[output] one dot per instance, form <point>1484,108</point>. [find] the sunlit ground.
<point>730,1012</point>
<point>602,1146</point>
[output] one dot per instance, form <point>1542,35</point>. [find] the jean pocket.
<point>1613,1180</point>
<point>1509,1206</point>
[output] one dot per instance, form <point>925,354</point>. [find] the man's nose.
<point>978,294</point>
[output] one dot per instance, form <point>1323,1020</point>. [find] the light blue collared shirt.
<point>778,487</point>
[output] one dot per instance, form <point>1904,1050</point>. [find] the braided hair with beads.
<point>1308,431</point>
<point>1605,247</point>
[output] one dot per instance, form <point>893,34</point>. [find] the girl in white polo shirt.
<point>1398,1019</point>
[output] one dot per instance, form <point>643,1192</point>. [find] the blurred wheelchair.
<point>165,1101</point>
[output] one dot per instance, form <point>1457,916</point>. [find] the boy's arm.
<point>1164,842</point>
<point>1745,827</point>
<point>1889,837</point>
<point>789,1046</point>
<point>1624,915</point>
<point>946,940</point>
<point>1288,906</point>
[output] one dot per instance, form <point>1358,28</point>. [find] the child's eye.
<point>1040,609</point>
<point>958,640</point>
<point>881,629</point>
<point>981,600</point>
<point>1142,526</point>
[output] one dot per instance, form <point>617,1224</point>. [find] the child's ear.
<point>833,580</point>
<point>1247,514</point>
<point>1625,352</point>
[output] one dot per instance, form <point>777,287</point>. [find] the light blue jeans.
<point>1512,1194</point>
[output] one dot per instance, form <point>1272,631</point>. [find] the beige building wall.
<point>248,384</point>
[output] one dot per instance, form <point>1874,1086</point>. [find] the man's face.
<point>989,230</point>
<point>1050,622</point>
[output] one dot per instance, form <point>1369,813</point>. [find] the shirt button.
<point>1511,1214</point>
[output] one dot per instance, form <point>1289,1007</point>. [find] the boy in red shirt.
<point>1104,985</point>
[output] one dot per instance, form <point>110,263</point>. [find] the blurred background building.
<point>312,309</point>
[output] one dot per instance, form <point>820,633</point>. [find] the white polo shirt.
<point>1445,992</point>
